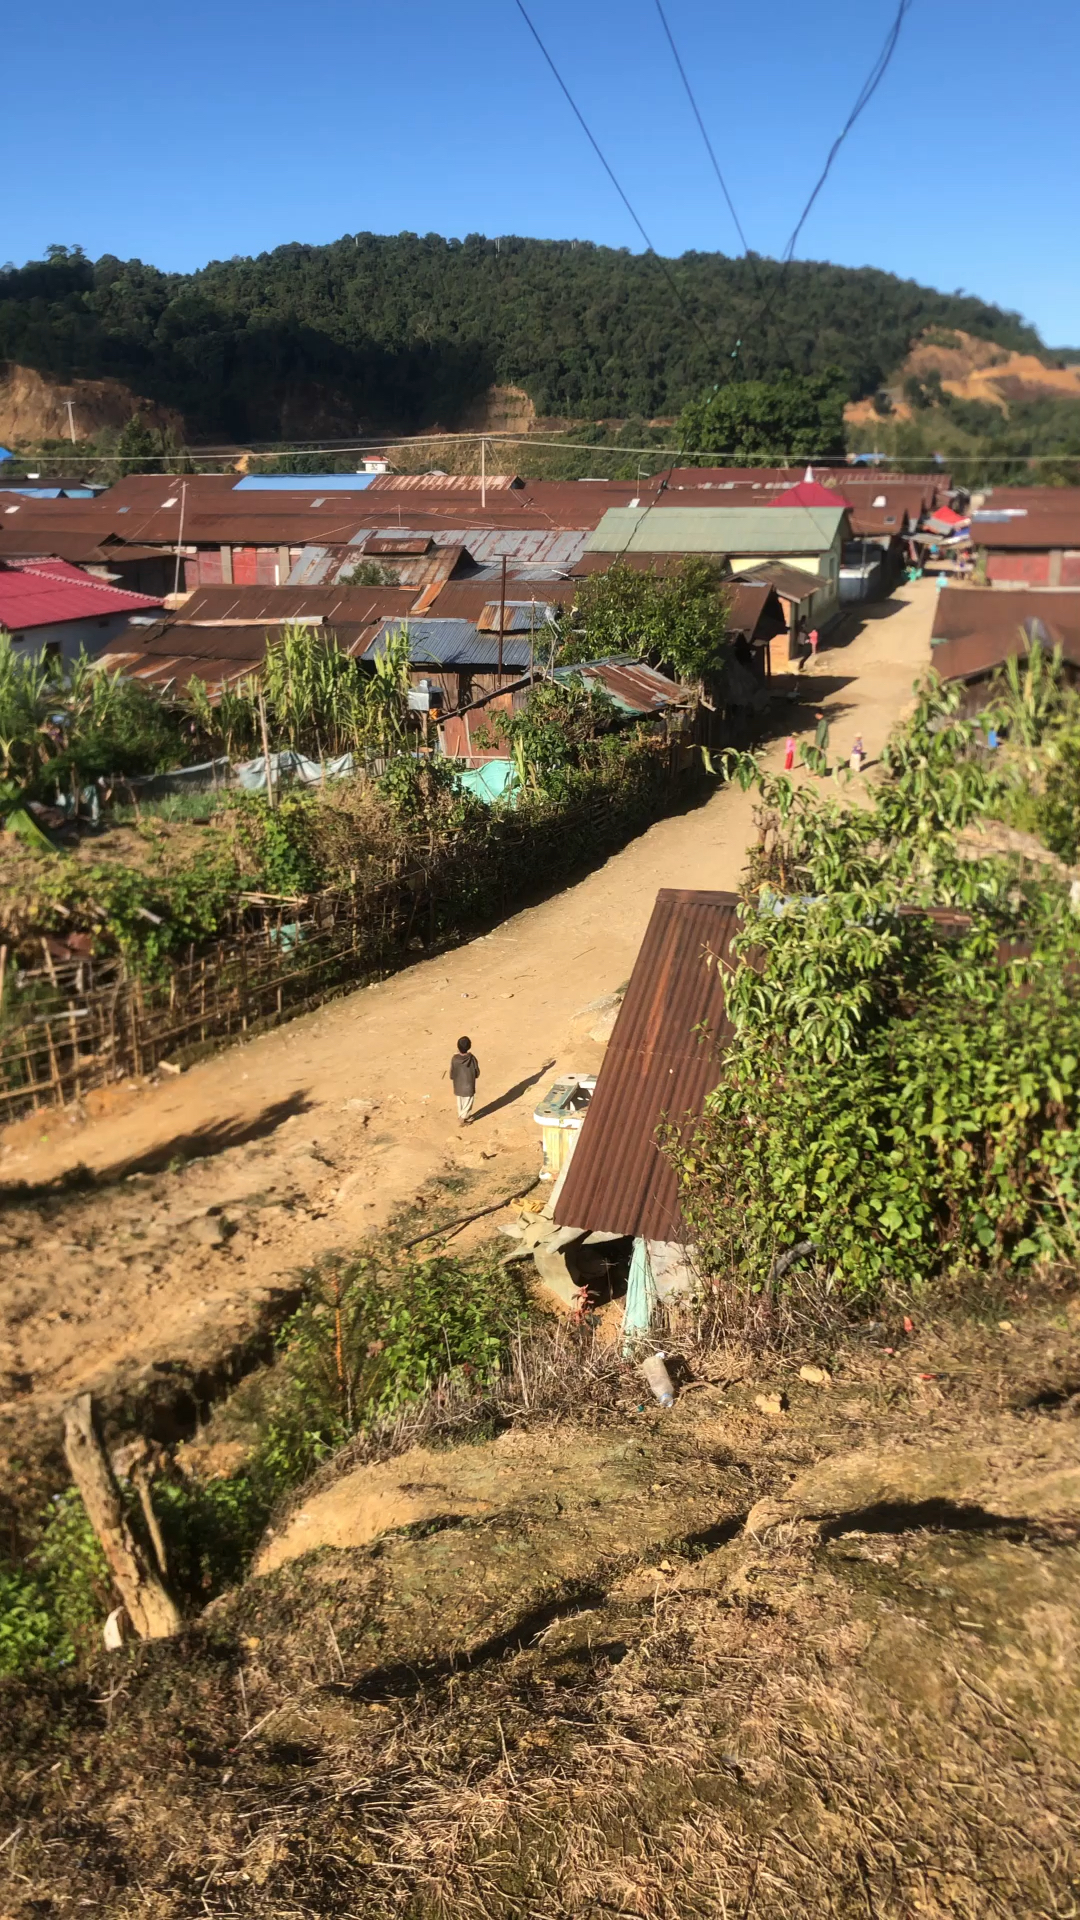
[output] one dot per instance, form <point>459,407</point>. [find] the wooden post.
<point>266,750</point>
<point>152,1611</point>
<point>502,616</point>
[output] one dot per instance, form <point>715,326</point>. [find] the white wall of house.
<point>67,637</point>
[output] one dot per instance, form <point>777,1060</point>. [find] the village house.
<point>977,629</point>
<point>744,539</point>
<point>53,610</point>
<point>1028,537</point>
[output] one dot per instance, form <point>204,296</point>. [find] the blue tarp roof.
<point>303,483</point>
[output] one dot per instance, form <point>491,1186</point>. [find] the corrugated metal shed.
<point>976,629</point>
<point>633,686</point>
<point>514,616</point>
<point>742,530</point>
<point>754,610</point>
<point>544,546</point>
<point>1039,529</point>
<point>451,643</point>
<point>658,1064</point>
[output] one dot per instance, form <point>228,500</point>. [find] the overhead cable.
<point>866,93</point>
<point>701,126</point>
<point>610,171</point>
<point>869,87</point>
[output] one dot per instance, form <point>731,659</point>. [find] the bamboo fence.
<point>68,1026</point>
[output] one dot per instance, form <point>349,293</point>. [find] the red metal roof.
<point>809,493</point>
<point>658,1064</point>
<point>48,592</point>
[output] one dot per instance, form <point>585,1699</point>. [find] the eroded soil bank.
<point>722,1660</point>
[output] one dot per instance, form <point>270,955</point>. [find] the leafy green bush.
<point>677,618</point>
<point>789,417</point>
<point>366,1341</point>
<point>1057,808</point>
<point>900,1091</point>
<point>50,1602</point>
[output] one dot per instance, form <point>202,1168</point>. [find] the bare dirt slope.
<point>974,369</point>
<point>713,1662</point>
<point>33,409</point>
<point>210,1192</point>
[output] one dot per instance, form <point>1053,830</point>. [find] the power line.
<point>869,87</point>
<point>701,127</point>
<point>495,438</point>
<point>866,93</point>
<point>609,170</point>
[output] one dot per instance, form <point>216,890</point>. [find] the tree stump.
<point>150,1608</point>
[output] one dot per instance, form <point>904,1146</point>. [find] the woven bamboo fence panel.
<point>67,1027</point>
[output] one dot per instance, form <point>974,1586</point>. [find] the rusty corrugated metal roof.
<point>754,605</point>
<point>657,1064</point>
<point>977,629</point>
<point>791,583</point>
<point>354,605</point>
<point>444,483</point>
<point>325,566</point>
<point>635,687</point>
<point>1036,529</point>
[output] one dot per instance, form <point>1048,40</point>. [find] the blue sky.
<point>229,127</point>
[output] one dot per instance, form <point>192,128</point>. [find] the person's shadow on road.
<point>513,1093</point>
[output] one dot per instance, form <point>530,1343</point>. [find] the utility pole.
<point>70,405</point>
<point>483,471</point>
<point>502,614</point>
<point>180,537</point>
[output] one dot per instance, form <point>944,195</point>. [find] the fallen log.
<point>150,1608</point>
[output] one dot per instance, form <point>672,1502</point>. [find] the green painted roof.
<point>738,530</point>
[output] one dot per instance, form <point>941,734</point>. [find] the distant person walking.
<point>814,637</point>
<point>789,753</point>
<point>858,755</point>
<point>801,644</point>
<point>821,731</point>
<point>464,1074</point>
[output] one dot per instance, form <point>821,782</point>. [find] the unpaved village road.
<point>309,1137</point>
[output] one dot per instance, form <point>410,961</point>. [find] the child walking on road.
<point>464,1074</point>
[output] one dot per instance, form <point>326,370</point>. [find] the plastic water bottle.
<point>659,1379</point>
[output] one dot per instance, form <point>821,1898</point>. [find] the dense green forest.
<point>401,332</point>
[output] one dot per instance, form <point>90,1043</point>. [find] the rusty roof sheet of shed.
<point>658,1063</point>
<point>977,629</point>
<point>355,605</point>
<point>791,583</point>
<point>1037,529</point>
<point>325,566</point>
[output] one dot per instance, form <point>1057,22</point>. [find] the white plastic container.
<point>658,1379</point>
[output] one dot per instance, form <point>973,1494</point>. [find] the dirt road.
<point>212,1190</point>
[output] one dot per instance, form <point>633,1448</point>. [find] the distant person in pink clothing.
<point>789,754</point>
<point>814,636</point>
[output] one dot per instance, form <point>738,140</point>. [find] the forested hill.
<point>402,332</point>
